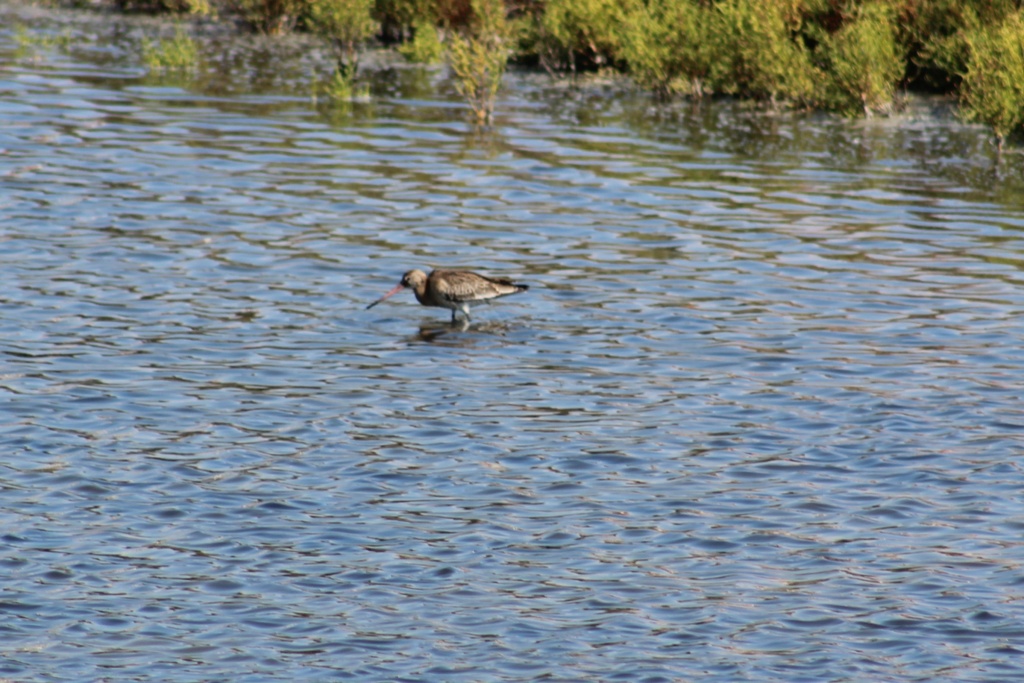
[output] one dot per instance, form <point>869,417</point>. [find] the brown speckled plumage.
<point>453,289</point>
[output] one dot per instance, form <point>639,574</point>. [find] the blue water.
<point>757,419</point>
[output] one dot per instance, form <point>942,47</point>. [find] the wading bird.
<point>453,289</point>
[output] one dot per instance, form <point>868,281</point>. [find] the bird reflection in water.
<point>451,333</point>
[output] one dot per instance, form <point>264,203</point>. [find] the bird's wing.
<point>458,286</point>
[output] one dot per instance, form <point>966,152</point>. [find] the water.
<point>758,417</point>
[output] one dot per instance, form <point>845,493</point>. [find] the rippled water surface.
<point>758,417</point>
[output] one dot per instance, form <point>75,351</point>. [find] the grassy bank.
<point>854,57</point>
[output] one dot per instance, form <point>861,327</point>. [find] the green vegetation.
<point>179,52</point>
<point>667,45</point>
<point>425,47</point>
<point>864,62</point>
<point>197,7</point>
<point>272,17</point>
<point>993,84</point>
<point>398,16</point>
<point>847,56</point>
<point>345,24</point>
<point>340,86</point>
<point>580,33</point>
<point>935,33</point>
<point>755,54</point>
<point>478,57</point>
<point>26,40</point>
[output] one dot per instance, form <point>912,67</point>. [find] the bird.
<point>453,289</point>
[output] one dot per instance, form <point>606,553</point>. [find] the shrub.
<point>200,7</point>
<point>581,32</point>
<point>992,91</point>
<point>345,24</point>
<point>479,57</point>
<point>425,46</point>
<point>404,14</point>
<point>272,17</point>
<point>864,62</point>
<point>935,33</point>
<point>666,46</point>
<point>755,53</point>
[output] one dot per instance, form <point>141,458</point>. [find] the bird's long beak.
<point>398,288</point>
